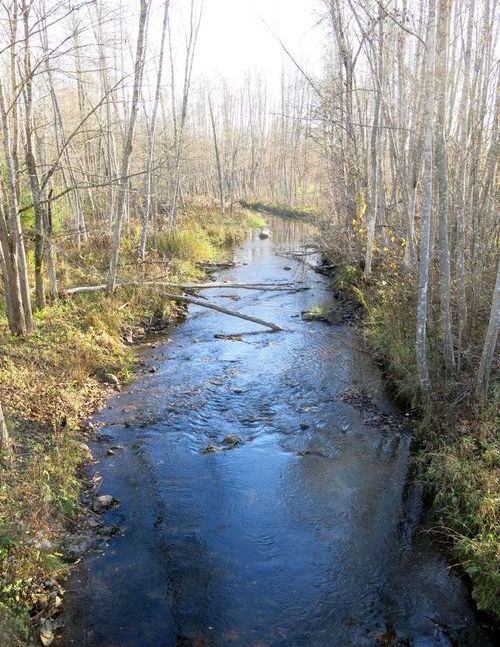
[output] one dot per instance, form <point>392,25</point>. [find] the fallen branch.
<point>226,311</point>
<point>274,287</point>
<point>85,288</point>
<point>193,300</point>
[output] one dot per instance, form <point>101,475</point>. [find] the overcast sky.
<point>233,39</point>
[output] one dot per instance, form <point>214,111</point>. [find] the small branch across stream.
<point>280,287</point>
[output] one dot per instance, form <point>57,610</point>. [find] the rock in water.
<point>333,315</point>
<point>104,502</point>
<point>265,233</point>
<point>231,440</point>
<point>47,633</point>
<point>211,449</point>
<point>75,546</point>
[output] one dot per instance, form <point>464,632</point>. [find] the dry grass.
<point>55,377</point>
<point>458,448</point>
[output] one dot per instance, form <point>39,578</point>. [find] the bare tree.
<point>441,161</point>
<point>425,227</point>
<point>125,162</point>
<point>217,156</point>
<point>490,342</point>
<point>180,122</point>
<point>148,178</point>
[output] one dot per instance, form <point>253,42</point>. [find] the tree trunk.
<point>463,135</point>
<point>217,156</point>
<point>490,342</point>
<point>13,237</point>
<point>148,180</point>
<point>441,162</point>
<point>425,226</point>
<point>124,168</point>
<point>6,447</point>
<point>31,165</point>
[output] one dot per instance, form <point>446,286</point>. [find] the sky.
<point>233,39</point>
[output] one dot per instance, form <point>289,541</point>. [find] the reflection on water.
<point>293,537</point>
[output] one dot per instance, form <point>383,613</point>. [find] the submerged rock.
<point>104,502</point>
<point>232,440</point>
<point>332,315</point>
<point>229,337</point>
<point>75,546</point>
<point>211,449</point>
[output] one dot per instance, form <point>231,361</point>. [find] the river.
<point>304,533</point>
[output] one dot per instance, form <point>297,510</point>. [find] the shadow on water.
<point>302,533</point>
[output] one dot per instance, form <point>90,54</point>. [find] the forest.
<point>133,187</point>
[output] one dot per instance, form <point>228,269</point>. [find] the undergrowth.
<point>299,212</point>
<point>55,377</point>
<point>457,444</point>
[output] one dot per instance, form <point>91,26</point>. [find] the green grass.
<point>255,220</point>
<point>300,212</point>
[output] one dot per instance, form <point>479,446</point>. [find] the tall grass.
<point>457,450</point>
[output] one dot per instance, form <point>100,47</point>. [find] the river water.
<point>302,534</point>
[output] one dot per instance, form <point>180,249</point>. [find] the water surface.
<point>301,535</point>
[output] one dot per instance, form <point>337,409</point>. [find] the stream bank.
<point>83,348</point>
<point>301,530</point>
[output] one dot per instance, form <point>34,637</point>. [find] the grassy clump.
<point>203,234</point>
<point>255,221</point>
<point>53,378</point>
<point>461,471</point>
<point>300,212</point>
<point>458,449</point>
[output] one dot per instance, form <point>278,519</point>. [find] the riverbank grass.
<point>305,213</point>
<point>457,449</point>
<point>52,379</point>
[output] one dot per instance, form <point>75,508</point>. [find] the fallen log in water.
<point>227,311</point>
<point>187,299</point>
<point>273,287</point>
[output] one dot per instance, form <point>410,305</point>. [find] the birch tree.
<point>490,342</point>
<point>148,178</point>
<point>427,187</point>
<point>442,181</point>
<point>129,137</point>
